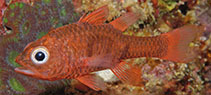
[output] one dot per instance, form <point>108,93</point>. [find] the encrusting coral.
<point>26,22</point>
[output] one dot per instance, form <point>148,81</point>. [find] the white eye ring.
<point>40,55</point>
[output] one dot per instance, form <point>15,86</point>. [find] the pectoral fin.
<point>103,61</point>
<point>93,81</point>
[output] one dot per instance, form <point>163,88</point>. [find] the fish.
<point>77,50</point>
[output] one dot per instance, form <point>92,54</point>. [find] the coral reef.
<point>27,20</point>
<point>160,16</point>
<point>3,6</point>
<point>24,23</point>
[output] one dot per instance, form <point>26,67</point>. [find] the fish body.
<point>80,41</point>
<point>76,50</point>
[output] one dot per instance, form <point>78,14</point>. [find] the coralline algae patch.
<point>25,23</point>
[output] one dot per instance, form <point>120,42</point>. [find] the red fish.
<point>76,50</point>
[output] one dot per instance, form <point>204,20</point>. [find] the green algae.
<point>10,39</point>
<point>1,83</point>
<point>15,39</point>
<point>20,5</point>
<point>12,6</point>
<point>12,56</point>
<point>26,27</point>
<point>5,20</point>
<point>43,12</point>
<point>59,25</point>
<point>37,6</point>
<point>59,1</point>
<point>16,3</point>
<point>16,85</point>
<point>12,14</point>
<point>72,18</point>
<point>63,12</point>
<point>46,1</point>
<point>75,14</point>
<point>41,34</point>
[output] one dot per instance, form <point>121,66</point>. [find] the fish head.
<point>41,59</point>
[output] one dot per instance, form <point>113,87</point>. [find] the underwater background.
<point>24,21</point>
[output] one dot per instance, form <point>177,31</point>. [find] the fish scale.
<point>104,40</point>
<point>136,45</point>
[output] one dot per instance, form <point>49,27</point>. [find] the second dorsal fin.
<point>124,21</point>
<point>97,17</point>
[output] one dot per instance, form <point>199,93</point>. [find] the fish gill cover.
<point>26,22</point>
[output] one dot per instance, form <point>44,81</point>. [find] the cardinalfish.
<point>77,50</point>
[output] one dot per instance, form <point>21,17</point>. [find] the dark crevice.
<point>184,8</point>
<point>7,28</point>
<point>141,26</point>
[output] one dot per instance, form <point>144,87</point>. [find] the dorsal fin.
<point>124,21</point>
<point>96,17</point>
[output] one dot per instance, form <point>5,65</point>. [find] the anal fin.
<point>93,81</point>
<point>128,73</point>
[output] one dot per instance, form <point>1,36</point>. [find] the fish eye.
<point>40,55</point>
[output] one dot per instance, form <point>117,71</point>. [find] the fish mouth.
<point>27,70</point>
<point>24,71</point>
<point>31,73</point>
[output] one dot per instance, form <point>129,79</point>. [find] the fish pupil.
<point>40,56</point>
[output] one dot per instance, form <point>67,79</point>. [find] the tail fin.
<point>178,43</point>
